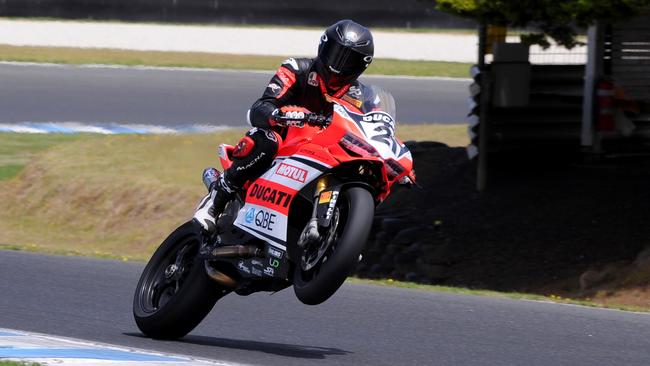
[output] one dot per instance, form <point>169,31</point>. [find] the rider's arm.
<point>280,91</point>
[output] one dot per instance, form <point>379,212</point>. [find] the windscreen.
<point>377,99</point>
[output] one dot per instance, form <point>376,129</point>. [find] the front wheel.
<point>174,292</point>
<point>324,267</point>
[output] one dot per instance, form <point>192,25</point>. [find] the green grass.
<point>117,196</point>
<point>18,363</point>
<point>507,295</point>
<point>18,149</point>
<point>10,170</point>
<point>80,56</point>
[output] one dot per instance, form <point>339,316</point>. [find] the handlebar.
<point>311,119</point>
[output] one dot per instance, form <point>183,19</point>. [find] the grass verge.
<point>16,150</point>
<point>505,295</point>
<point>78,56</point>
<point>18,363</point>
<point>117,196</point>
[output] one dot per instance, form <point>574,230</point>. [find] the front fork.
<point>325,199</point>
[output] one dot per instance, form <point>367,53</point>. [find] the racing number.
<point>385,134</point>
<point>385,128</point>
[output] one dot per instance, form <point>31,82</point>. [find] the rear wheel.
<point>174,293</point>
<point>325,265</point>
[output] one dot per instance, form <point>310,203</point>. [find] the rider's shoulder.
<point>297,65</point>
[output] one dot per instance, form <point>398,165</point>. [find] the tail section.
<point>225,155</point>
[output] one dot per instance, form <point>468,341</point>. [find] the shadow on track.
<point>280,349</point>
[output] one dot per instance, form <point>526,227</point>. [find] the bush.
<point>559,20</point>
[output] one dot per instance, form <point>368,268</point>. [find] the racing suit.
<point>295,84</point>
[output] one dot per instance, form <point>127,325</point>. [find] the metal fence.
<point>556,55</point>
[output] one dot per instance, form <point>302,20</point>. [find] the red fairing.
<point>225,155</point>
<point>327,147</point>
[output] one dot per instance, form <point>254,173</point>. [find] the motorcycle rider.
<point>301,85</point>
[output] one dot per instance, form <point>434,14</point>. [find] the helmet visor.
<point>344,60</point>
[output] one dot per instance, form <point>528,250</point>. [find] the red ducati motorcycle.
<point>304,222</point>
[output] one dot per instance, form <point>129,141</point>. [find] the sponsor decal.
<point>355,102</point>
<point>292,172</point>
<point>351,36</point>
<point>274,262</point>
<point>269,271</point>
<point>378,117</point>
<point>308,151</point>
<point>243,267</point>
<point>355,91</point>
<point>270,195</point>
<point>256,272</point>
<point>274,252</point>
<point>270,135</point>
<point>325,197</point>
<point>330,208</point>
<point>312,79</point>
<point>250,216</point>
<point>253,162</point>
<point>255,262</point>
<point>291,62</point>
<point>275,88</point>
<point>265,220</point>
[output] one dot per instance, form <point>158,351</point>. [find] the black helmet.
<point>344,52</point>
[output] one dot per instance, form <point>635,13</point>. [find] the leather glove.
<point>289,111</point>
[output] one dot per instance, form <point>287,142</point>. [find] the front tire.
<point>174,293</point>
<point>356,207</point>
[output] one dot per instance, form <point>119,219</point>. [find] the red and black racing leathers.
<point>296,83</point>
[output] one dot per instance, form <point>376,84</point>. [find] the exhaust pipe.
<point>236,251</point>
<point>229,251</point>
<point>220,277</point>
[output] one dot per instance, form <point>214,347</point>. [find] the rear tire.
<point>321,282</point>
<point>169,306</point>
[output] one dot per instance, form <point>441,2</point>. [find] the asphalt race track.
<point>33,93</point>
<point>360,325</point>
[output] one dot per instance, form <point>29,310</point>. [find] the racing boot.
<point>213,204</point>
